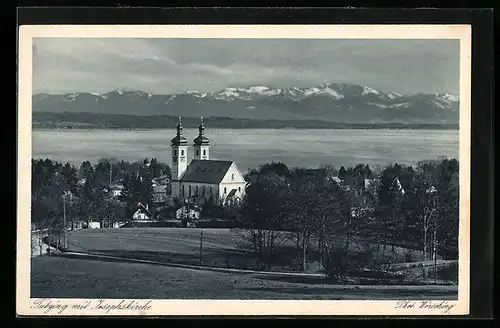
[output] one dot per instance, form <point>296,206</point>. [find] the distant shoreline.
<point>246,128</point>
<point>92,121</point>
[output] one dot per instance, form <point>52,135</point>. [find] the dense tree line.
<point>328,211</point>
<point>84,193</point>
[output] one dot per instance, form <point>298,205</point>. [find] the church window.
<point>232,177</point>
<point>204,152</point>
<point>197,152</point>
<point>239,189</point>
<point>182,152</point>
<point>175,152</point>
<point>189,191</point>
<point>196,190</point>
<point>225,190</point>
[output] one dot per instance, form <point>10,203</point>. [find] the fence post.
<point>49,240</point>
<point>201,245</point>
<point>40,242</point>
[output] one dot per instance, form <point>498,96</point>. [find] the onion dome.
<point>201,139</point>
<point>179,138</point>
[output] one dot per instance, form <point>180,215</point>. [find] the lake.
<point>253,147</point>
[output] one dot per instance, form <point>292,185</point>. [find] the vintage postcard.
<point>243,170</point>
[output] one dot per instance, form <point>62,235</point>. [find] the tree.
<point>145,186</point>
<point>342,173</point>
<point>263,211</point>
<point>391,198</point>
<point>130,194</point>
<point>274,168</point>
<point>69,178</point>
<point>211,208</point>
<point>329,170</point>
<point>86,170</point>
<point>92,200</point>
<point>330,213</point>
<point>448,201</point>
<point>102,173</point>
<point>136,189</point>
<point>352,213</point>
<point>424,209</point>
<point>155,168</point>
<point>50,182</point>
<point>368,172</point>
<point>306,209</point>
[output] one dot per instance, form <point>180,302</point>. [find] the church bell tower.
<point>201,144</point>
<point>179,153</point>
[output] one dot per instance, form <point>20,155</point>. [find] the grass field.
<point>66,277</point>
<point>220,247</point>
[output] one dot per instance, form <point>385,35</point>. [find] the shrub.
<point>448,272</point>
<point>409,256</point>
<point>341,262</point>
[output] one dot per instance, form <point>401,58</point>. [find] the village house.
<point>162,180</point>
<point>142,213</point>
<point>203,178</point>
<point>116,190</point>
<point>94,224</point>
<point>160,194</point>
<point>188,211</point>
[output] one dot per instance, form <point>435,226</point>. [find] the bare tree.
<point>263,211</point>
<point>314,210</point>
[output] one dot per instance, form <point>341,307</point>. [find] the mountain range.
<point>331,102</point>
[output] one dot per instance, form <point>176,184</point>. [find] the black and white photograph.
<point>244,167</point>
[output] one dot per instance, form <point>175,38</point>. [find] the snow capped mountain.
<point>250,93</point>
<point>337,102</point>
<point>450,97</point>
<point>196,94</point>
<point>393,95</point>
<point>71,97</point>
<point>228,94</point>
<point>368,90</point>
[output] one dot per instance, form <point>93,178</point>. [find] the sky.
<point>169,66</point>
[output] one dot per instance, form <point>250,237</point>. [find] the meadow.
<point>66,277</point>
<point>226,248</point>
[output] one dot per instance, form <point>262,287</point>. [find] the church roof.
<point>179,140</point>
<point>201,140</point>
<point>206,171</point>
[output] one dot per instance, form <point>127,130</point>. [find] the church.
<point>203,177</point>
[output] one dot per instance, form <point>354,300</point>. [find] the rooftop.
<point>179,140</point>
<point>201,140</point>
<point>159,188</point>
<point>206,171</point>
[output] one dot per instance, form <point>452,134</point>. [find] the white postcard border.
<point>25,305</point>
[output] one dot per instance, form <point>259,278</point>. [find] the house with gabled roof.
<point>142,213</point>
<point>162,180</point>
<point>203,177</point>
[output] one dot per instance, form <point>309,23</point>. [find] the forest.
<point>330,211</point>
